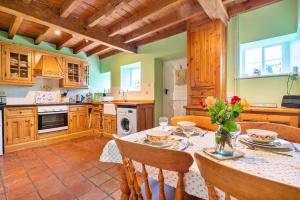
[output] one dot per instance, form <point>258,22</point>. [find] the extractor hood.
<point>49,67</point>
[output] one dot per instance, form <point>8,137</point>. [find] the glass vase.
<point>224,145</point>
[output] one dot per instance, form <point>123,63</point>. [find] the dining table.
<point>266,164</point>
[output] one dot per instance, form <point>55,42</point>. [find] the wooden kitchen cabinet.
<point>286,116</point>
<point>20,125</point>
<point>76,74</point>
<point>145,116</point>
<point>206,61</point>
<point>109,124</point>
<point>97,113</point>
<point>78,118</point>
<point>17,65</point>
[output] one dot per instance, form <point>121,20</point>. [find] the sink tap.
<point>124,95</point>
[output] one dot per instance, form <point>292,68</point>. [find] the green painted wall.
<point>169,48</point>
<point>158,85</point>
<point>172,47</point>
<point>29,42</point>
<point>270,21</point>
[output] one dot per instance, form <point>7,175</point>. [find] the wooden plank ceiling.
<point>107,27</point>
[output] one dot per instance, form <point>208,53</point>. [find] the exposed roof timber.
<point>157,7</point>
<point>110,53</point>
<point>184,13</point>
<point>107,10</point>
<point>214,9</point>
<point>49,16</point>
<point>96,50</point>
<point>249,5</point>
<point>65,42</point>
<point>68,7</point>
<point>42,36</point>
<point>164,34</point>
<point>14,26</point>
<point>27,1</point>
<point>82,46</point>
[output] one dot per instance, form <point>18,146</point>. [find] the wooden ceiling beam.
<point>49,16</point>
<point>110,53</point>
<point>249,5</point>
<point>147,13</point>
<point>27,1</point>
<point>42,36</point>
<point>82,46</point>
<point>65,42</point>
<point>68,7</point>
<point>184,13</point>
<point>214,9</point>
<point>14,26</point>
<point>107,10</point>
<point>164,34</point>
<point>96,50</point>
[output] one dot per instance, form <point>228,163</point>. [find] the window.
<point>259,60</point>
<point>131,77</point>
<point>105,82</point>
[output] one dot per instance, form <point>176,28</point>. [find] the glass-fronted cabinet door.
<point>18,64</point>
<point>73,72</point>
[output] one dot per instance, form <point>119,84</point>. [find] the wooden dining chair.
<point>286,132</point>
<point>156,157</point>
<point>241,185</point>
<point>201,121</point>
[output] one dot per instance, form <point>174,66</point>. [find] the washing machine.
<point>126,121</point>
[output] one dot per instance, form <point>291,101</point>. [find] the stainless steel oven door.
<point>52,121</point>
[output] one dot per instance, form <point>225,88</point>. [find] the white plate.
<point>279,144</point>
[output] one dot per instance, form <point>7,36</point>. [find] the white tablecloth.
<point>268,165</point>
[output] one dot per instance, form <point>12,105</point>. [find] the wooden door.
<point>82,121</point>
<point>20,130</point>
<point>202,56</point>
<point>113,125</point>
<point>96,120</point>
<point>206,61</point>
<point>84,74</point>
<point>106,124</point>
<point>73,122</point>
<point>145,117</point>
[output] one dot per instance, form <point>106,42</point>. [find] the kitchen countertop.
<point>116,102</point>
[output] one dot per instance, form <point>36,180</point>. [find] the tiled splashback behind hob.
<point>27,95</point>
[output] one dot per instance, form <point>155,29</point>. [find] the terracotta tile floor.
<point>68,170</point>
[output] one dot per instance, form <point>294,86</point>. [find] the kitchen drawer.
<point>17,112</point>
<point>77,108</point>
<point>249,117</point>
<point>283,119</point>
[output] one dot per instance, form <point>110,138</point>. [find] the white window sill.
<point>263,76</point>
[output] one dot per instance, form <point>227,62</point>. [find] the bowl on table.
<point>186,124</point>
<point>158,136</point>
<point>187,127</point>
<point>263,136</point>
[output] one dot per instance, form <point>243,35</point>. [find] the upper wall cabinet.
<point>76,74</point>
<point>206,61</point>
<point>17,65</point>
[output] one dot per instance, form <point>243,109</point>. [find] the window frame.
<point>131,68</point>
<point>285,59</point>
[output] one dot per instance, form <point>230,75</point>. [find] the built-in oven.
<point>52,118</point>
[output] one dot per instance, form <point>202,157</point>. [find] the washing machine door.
<point>126,125</point>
